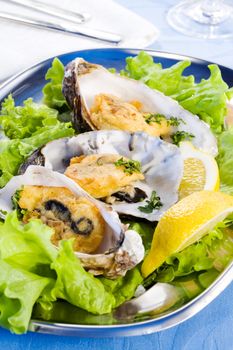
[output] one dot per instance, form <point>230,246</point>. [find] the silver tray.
<point>71,321</point>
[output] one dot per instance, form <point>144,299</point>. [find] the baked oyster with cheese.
<point>102,243</point>
<point>103,100</point>
<point>137,174</point>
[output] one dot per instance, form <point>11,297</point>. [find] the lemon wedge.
<point>185,223</point>
<point>200,171</point>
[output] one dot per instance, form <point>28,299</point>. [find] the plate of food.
<point>116,192</point>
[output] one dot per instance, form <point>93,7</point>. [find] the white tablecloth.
<point>22,46</point>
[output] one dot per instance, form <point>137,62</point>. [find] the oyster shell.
<point>84,81</point>
<point>120,250</point>
<point>161,166</point>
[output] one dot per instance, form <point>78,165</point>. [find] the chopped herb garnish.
<point>130,166</point>
<point>15,199</point>
<point>158,118</point>
<point>153,203</point>
<point>154,118</point>
<point>181,136</point>
<point>15,202</point>
<point>173,121</point>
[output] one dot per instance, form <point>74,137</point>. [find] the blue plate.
<point>67,320</point>
<point>30,82</point>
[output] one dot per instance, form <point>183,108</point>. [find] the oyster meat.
<point>122,169</point>
<point>69,216</point>
<point>103,100</point>
<point>103,244</point>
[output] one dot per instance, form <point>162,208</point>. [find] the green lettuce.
<point>27,127</point>
<point>82,291</point>
<point>33,270</point>
<point>225,160</point>
<point>52,91</point>
<point>19,291</point>
<point>213,251</point>
<point>207,99</point>
<point>19,122</point>
<point>168,80</point>
<point>25,277</point>
<point>14,152</point>
<point>123,288</point>
<point>77,286</point>
<point>27,246</point>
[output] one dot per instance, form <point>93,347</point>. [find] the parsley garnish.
<point>15,203</point>
<point>130,166</point>
<point>157,118</point>
<point>154,118</point>
<point>181,136</point>
<point>173,121</point>
<point>153,203</point>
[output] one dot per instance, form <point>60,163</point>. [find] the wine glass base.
<point>188,18</point>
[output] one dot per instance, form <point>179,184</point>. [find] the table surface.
<point>211,329</point>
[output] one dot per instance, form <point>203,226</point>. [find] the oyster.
<point>59,202</point>
<point>103,100</point>
<point>95,160</point>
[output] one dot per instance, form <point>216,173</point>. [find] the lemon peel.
<point>200,171</point>
<point>185,223</point>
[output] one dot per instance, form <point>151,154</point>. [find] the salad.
<point>114,182</point>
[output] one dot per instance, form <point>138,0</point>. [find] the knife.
<point>65,27</point>
<point>53,10</point>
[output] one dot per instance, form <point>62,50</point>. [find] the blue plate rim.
<point>154,53</point>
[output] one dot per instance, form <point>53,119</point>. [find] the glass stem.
<point>210,8</point>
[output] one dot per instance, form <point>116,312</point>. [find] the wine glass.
<point>202,18</point>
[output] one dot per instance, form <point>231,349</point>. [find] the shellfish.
<point>58,200</point>
<point>103,100</point>
<point>99,162</point>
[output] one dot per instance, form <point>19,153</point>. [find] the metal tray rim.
<point>144,327</point>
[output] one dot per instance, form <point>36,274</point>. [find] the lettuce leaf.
<point>33,270</point>
<point>52,91</point>
<point>27,246</point>
<point>77,286</point>
<point>28,128</point>
<point>25,275</point>
<point>207,99</point>
<point>225,160</point>
<point>168,80</point>
<point>23,121</point>
<point>14,152</point>
<point>123,288</point>
<point>19,290</point>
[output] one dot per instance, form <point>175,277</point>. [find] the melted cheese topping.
<point>110,112</point>
<point>69,211</point>
<point>98,175</point>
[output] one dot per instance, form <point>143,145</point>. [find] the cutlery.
<point>64,27</point>
<point>53,10</point>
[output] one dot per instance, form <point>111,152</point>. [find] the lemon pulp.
<point>185,223</point>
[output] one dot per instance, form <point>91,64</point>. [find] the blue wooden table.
<point>211,329</point>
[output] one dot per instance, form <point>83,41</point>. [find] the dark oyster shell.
<point>36,158</point>
<point>70,90</point>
